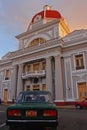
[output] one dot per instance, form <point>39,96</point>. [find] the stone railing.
<point>32,74</point>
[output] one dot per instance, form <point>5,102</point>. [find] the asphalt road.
<point>69,119</point>
<point>72,119</point>
<point>2,113</point>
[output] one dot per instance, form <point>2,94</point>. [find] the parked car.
<point>81,104</point>
<point>33,109</point>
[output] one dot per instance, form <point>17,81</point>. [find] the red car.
<point>81,104</point>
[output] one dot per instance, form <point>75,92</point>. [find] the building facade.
<point>49,57</point>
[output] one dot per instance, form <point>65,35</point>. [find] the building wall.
<point>60,75</point>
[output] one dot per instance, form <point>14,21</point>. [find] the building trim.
<point>59,45</point>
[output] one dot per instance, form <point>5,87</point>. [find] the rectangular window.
<point>28,68</point>
<point>36,87</point>
<point>43,65</point>
<point>79,61</point>
<point>7,75</point>
<point>44,87</point>
<point>36,67</point>
<point>28,88</point>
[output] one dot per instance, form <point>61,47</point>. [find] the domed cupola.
<point>47,13</point>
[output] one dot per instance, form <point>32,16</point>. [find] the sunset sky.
<point>15,16</point>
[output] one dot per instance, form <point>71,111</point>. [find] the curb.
<point>6,104</point>
<point>66,107</point>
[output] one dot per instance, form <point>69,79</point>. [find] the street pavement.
<point>67,107</point>
<point>70,118</point>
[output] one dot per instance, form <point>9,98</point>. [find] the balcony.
<point>33,74</point>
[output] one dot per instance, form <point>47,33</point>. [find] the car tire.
<point>78,106</point>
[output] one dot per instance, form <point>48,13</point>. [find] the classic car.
<point>33,109</point>
<point>81,104</point>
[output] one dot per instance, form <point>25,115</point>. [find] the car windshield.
<point>34,97</point>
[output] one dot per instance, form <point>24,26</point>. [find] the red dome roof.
<point>52,14</point>
<point>47,14</point>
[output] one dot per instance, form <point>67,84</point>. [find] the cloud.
<point>75,13</point>
<point>12,16</point>
<point>15,14</point>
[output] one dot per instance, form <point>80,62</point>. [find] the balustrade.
<point>40,73</point>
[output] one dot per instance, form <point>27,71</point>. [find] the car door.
<point>85,103</point>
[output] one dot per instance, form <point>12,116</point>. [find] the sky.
<point>15,16</point>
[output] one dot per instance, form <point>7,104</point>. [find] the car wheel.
<point>78,106</point>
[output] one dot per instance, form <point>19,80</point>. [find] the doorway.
<point>36,87</point>
<point>28,88</point>
<point>5,95</point>
<point>82,90</point>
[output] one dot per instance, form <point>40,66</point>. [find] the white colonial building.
<point>49,57</point>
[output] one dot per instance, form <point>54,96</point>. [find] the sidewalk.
<point>67,107</point>
<point>7,104</point>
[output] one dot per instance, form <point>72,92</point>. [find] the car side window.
<point>40,98</point>
<point>19,99</point>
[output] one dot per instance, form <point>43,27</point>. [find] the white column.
<point>48,75</point>
<point>20,81</point>
<point>58,79</point>
<point>14,82</point>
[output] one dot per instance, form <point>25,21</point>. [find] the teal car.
<point>33,109</point>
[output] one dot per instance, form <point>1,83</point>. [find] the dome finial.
<point>47,7</point>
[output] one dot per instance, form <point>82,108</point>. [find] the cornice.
<point>5,62</point>
<point>38,48</point>
<point>43,26</point>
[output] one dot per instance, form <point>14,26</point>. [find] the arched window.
<point>37,41</point>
